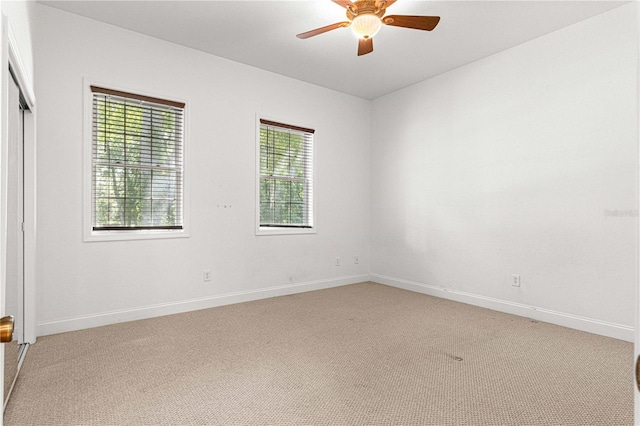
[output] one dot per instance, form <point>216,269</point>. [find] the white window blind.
<point>137,162</point>
<point>286,175</point>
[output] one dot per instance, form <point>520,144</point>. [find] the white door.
<point>14,272</point>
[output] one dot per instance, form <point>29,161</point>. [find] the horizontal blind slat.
<point>126,95</point>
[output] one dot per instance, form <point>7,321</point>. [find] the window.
<point>136,162</point>
<point>286,178</point>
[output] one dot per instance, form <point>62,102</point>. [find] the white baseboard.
<point>603,328</point>
<point>143,312</point>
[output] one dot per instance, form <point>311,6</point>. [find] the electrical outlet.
<point>206,275</point>
<point>337,261</point>
<point>515,280</point>
<point>356,260</point>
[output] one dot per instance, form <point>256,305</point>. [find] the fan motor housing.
<point>365,6</point>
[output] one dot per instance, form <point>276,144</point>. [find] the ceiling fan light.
<point>366,25</point>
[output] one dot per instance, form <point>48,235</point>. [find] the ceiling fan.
<point>366,18</point>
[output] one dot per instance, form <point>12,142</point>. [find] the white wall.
<point>84,284</point>
<point>507,166</point>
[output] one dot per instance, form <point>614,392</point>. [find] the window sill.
<point>134,235</point>
<point>284,231</point>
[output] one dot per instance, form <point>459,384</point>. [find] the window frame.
<point>89,234</point>
<point>277,230</point>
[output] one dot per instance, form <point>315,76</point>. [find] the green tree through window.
<point>137,162</point>
<point>286,184</point>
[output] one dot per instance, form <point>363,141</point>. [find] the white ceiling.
<point>262,34</point>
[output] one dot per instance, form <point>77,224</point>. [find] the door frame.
<point>10,56</point>
<point>636,349</point>
<point>29,182</point>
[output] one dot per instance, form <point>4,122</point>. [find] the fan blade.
<point>342,3</point>
<point>426,23</point>
<point>365,46</point>
<point>324,29</point>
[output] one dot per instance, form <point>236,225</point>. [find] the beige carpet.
<point>363,354</point>
<point>11,356</point>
